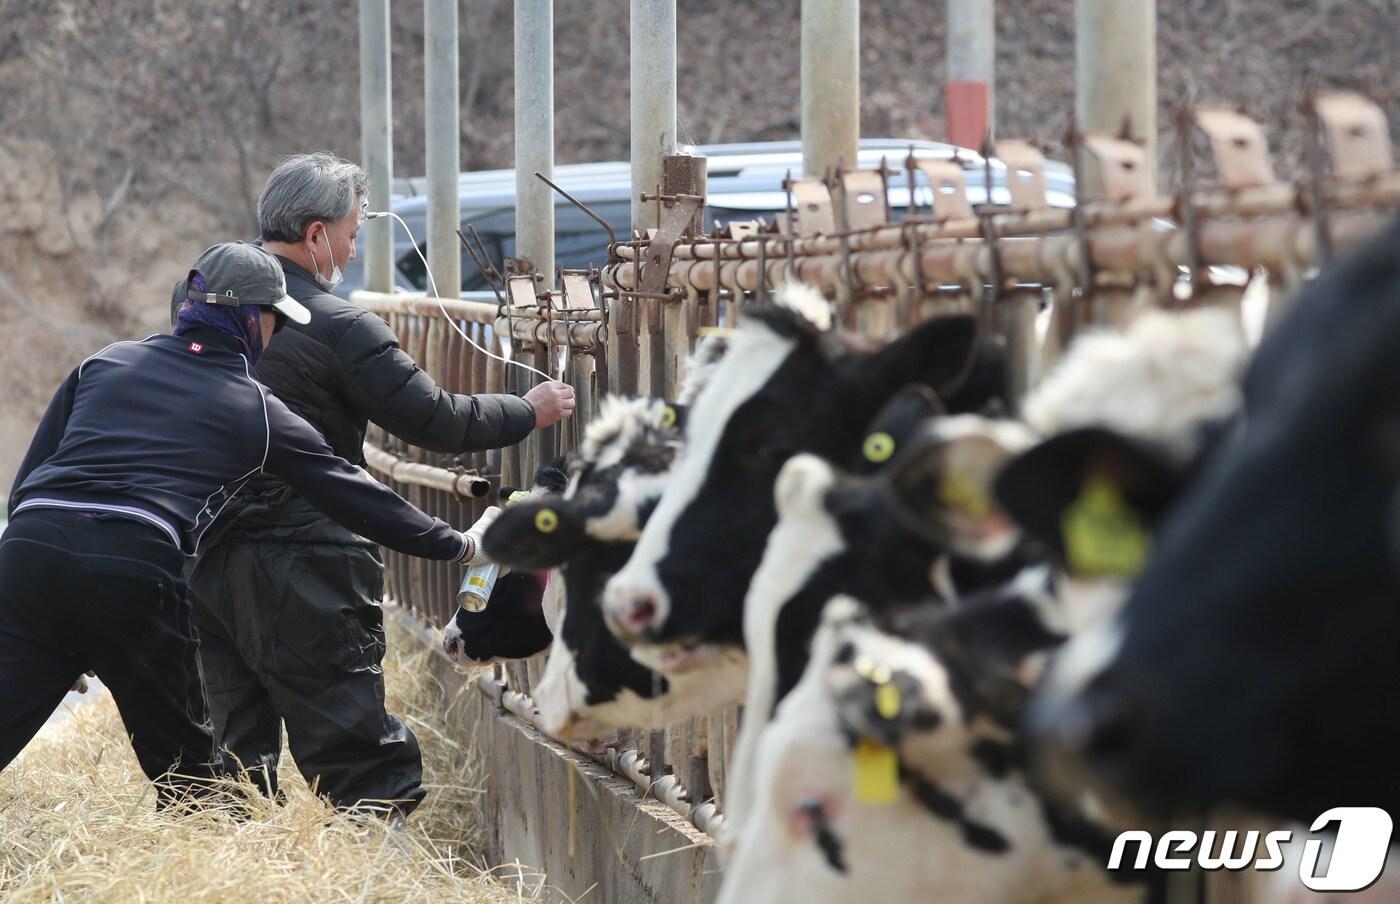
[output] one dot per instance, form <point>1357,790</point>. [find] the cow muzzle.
<point>452,642</point>
<point>634,611</point>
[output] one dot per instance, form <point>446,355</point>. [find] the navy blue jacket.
<point>170,428</point>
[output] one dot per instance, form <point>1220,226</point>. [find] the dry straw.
<point>78,822</point>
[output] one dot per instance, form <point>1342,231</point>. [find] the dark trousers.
<point>97,592</point>
<point>293,632</point>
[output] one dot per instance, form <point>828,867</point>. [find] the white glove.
<point>474,555</point>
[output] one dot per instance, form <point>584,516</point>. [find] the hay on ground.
<point>78,822</point>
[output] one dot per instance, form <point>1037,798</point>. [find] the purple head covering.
<point>245,323</point>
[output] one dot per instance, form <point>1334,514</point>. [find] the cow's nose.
<point>639,613</point>
<point>633,611</point>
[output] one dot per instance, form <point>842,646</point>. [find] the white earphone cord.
<point>432,285</point>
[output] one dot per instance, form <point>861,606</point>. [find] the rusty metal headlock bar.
<point>1248,218</point>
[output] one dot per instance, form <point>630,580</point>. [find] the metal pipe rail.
<point>1282,200</point>
<point>585,334</point>
<point>1287,239</point>
<point>388,304</point>
<point>466,485</point>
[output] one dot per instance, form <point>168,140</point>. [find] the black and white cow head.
<point>783,388</point>
<point>945,687</point>
<point>1255,662</point>
<point>515,623</point>
<point>892,772</point>
<point>591,684</point>
<point>587,532</point>
<point>1095,500</point>
<point>925,526</point>
<point>512,626</point>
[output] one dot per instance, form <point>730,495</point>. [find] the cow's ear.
<point>944,483</point>
<point>553,477</point>
<point>894,425</point>
<point>1092,496</point>
<point>937,353</point>
<point>535,534</point>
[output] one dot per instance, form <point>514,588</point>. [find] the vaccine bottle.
<point>477,585</point>
<point>480,580</point>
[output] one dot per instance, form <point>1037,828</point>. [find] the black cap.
<point>241,273</point>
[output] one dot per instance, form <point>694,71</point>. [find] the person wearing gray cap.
<point>139,452</point>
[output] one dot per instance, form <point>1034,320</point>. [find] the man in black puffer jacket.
<point>287,601</point>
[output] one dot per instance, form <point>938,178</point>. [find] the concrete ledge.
<point>557,813</point>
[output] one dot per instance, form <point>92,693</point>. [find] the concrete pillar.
<point>653,110</point>
<point>534,133</point>
<point>970,94</point>
<point>442,138</point>
<point>377,141</point>
<point>1115,70</point>
<point>830,84</point>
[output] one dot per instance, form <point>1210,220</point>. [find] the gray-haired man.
<point>287,601</point>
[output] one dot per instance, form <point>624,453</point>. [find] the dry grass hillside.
<point>135,132</point>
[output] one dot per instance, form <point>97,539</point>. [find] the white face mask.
<point>327,285</point>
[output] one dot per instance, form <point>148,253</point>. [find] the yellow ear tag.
<point>1103,535</point>
<point>887,702</point>
<point>961,492</point>
<point>546,520</point>
<point>875,776</point>
<point>668,416</point>
<point>878,448</point>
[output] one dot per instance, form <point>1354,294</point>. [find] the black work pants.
<point>293,632</point>
<point>88,591</point>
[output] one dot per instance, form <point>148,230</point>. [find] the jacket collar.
<point>292,269</point>
<point>301,285</point>
<point>212,338</point>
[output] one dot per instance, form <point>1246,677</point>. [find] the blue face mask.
<point>336,277</point>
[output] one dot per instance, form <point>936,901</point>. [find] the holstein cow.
<point>1255,663</point>
<point>923,530</point>
<point>927,524</point>
<point>591,685</point>
<point>925,704</point>
<point>891,772</point>
<point>518,619</point>
<point>1129,417</point>
<point>785,387</point>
